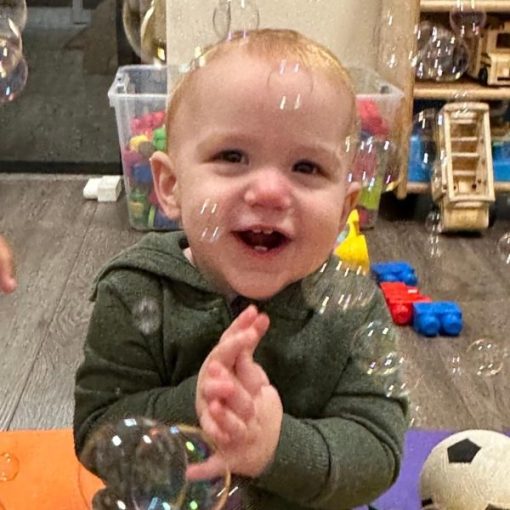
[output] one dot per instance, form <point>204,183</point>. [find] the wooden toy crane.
<point>463,183</point>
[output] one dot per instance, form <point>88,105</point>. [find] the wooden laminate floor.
<point>61,240</point>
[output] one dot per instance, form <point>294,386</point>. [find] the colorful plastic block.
<point>400,299</point>
<point>398,271</point>
<point>440,317</point>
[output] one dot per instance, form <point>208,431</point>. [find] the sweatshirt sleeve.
<point>347,456</point>
<point>121,374</point>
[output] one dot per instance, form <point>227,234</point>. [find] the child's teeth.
<point>268,231</point>
<point>256,231</point>
<point>260,248</point>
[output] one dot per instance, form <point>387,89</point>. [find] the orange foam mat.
<point>47,473</point>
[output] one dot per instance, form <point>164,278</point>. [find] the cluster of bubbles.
<point>143,466</point>
<point>13,66</point>
<point>443,54</point>
<point>433,226</point>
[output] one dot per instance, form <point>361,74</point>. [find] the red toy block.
<point>400,298</point>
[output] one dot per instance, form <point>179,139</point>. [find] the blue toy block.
<point>398,271</point>
<point>439,317</point>
<point>142,174</point>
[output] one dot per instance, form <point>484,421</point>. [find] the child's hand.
<point>215,379</point>
<point>7,280</point>
<point>238,408</point>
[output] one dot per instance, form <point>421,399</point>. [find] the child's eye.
<point>306,167</point>
<point>231,156</point>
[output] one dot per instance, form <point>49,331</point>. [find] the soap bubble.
<point>338,286</point>
<point>13,67</point>
<point>423,142</point>
<point>290,84</point>
<point>374,349</point>
<point>504,248</point>
<point>147,315</point>
<point>9,467</point>
<point>201,494</point>
<point>133,12</point>
<point>433,221</point>
<point>466,20</point>
<point>141,463</point>
<point>209,218</point>
<point>235,16</point>
<point>444,57</point>
<point>16,10</point>
<point>153,34</point>
<point>485,357</point>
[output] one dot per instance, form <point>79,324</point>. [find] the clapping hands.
<point>236,404</point>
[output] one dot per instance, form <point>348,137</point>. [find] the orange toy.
<point>40,471</point>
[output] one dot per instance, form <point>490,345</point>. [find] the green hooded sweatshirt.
<point>341,437</point>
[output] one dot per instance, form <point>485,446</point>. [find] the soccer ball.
<point>467,471</point>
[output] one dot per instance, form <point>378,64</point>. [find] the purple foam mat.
<point>405,493</point>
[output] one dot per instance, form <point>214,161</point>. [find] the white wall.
<point>347,27</point>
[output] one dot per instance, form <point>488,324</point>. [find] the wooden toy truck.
<point>490,55</point>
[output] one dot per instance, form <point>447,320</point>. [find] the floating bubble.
<point>467,21</point>
<point>503,248</point>
<point>16,10</point>
<point>9,467</point>
<point>210,219</point>
<point>445,57</point>
<point>423,142</point>
<point>338,286</point>
<point>455,365</point>
<point>158,472</point>
<point>147,315</point>
<point>374,349</point>
<point>11,85</point>
<point>133,12</point>
<point>235,17</point>
<point>290,84</point>
<point>433,221</point>
<point>485,357</point>
<point>141,463</point>
<point>201,494</point>
<point>153,34</point>
<point>435,248</point>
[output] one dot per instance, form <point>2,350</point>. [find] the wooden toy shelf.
<point>464,89</point>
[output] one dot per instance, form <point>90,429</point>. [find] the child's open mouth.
<point>262,240</point>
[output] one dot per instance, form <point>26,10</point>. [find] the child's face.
<point>277,177</point>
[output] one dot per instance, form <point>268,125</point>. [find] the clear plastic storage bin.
<point>377,161</point>
<point>139,96</point>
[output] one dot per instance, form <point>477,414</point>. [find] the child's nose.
<point>270,188</point>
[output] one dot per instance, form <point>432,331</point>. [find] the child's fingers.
<point>243,320</point>
<point>214,467</point>
<point>260,326</point>
<point>212,430</point>
<point>227,421</point>
<point>224,386</point>
<point>250,374</point>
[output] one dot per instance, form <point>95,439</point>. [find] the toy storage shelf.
<point>448,5</point>
<point>456,90</point>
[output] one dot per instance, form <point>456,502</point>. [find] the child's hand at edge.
<point>7,280</point>
<point>237,406</point>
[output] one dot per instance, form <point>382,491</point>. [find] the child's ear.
<point>351,199</point>
<point>165,184</point>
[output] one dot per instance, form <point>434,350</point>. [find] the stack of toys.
<point>407,305</point>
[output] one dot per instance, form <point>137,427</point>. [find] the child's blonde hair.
<point>272,45</point>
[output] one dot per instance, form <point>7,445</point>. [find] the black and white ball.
<point>469,470</point>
